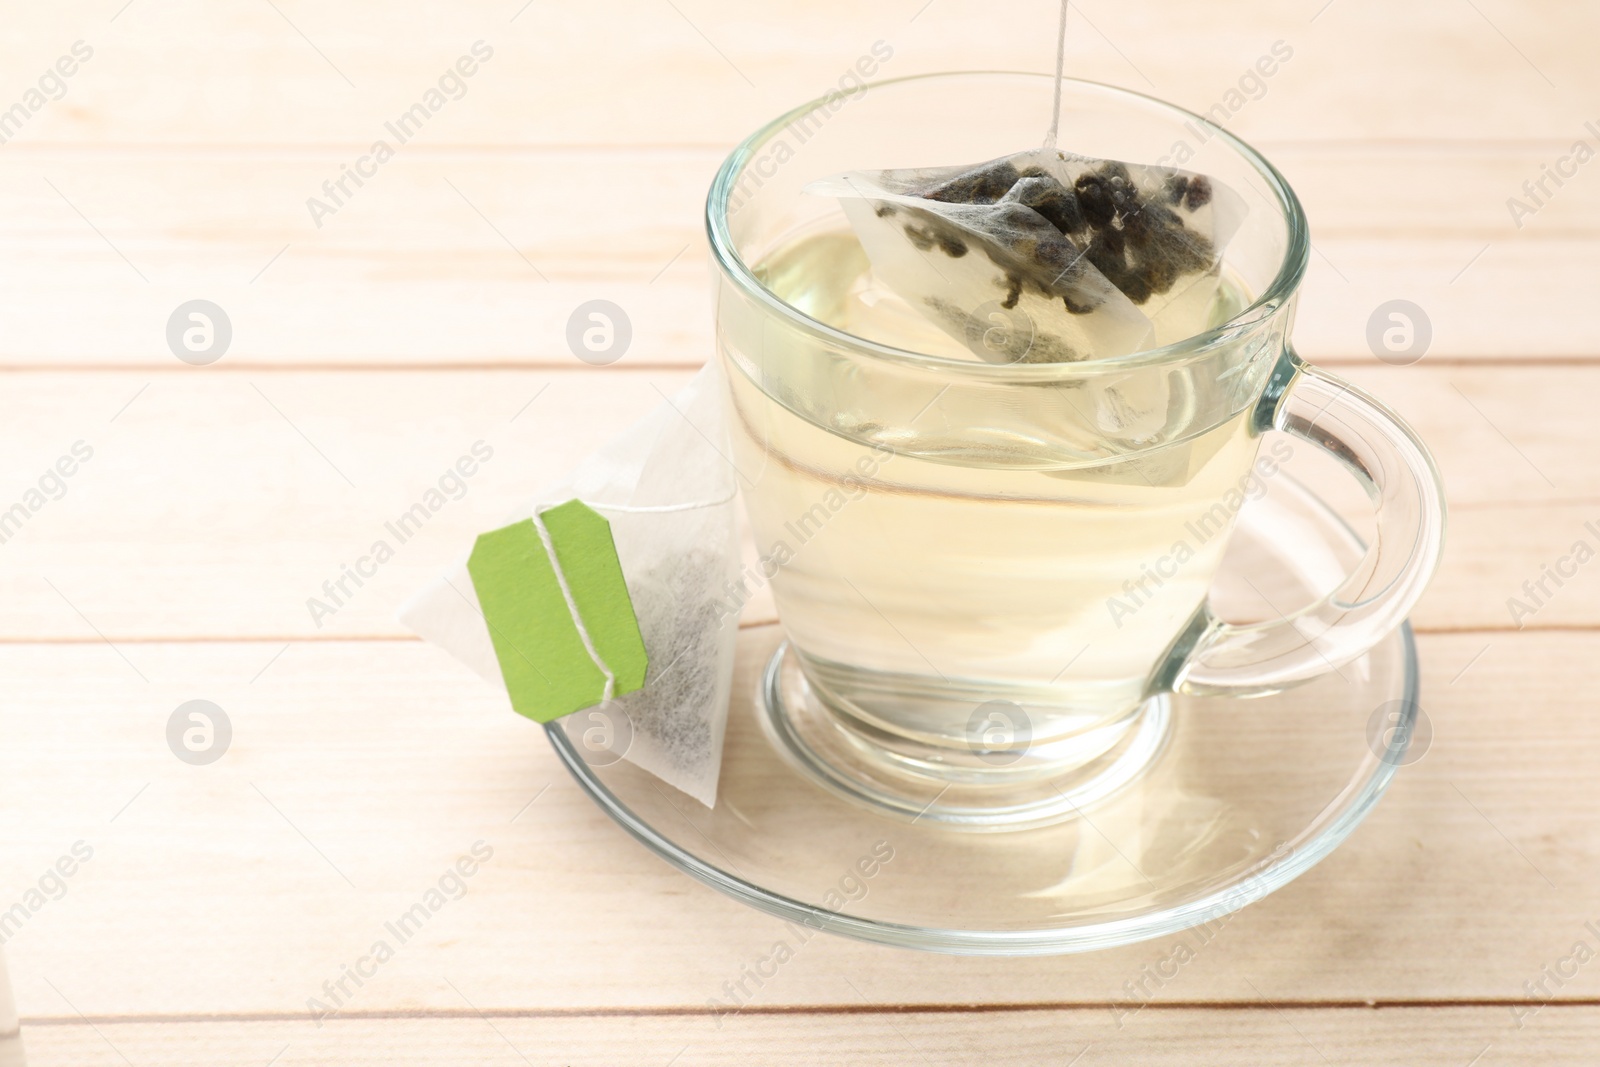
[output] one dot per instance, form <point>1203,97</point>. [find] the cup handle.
<point>1400,477</point>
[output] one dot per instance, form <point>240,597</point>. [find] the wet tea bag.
<point>667,494</point>
<point>1047,257</point>
<point>1102,257</point>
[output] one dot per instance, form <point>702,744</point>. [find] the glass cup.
<point>10,1031</point>
<point>990,575</point>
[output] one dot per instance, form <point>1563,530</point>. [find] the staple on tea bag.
<point>1103,257</point>
<point>668,494</point>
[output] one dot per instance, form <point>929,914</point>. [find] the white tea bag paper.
<point>1101,257</point>
<point>668,492</point>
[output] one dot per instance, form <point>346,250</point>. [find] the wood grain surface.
<point>428,314</point>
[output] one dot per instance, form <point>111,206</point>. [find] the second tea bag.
<point>667,496</point>
<point>1103,258</point>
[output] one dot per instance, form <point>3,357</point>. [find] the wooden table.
<point>427,312</point>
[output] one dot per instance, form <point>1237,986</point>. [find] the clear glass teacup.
<point>990,572</point>
<point>10,1032</point>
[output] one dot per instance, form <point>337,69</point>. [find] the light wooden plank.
<point>196,462</point>
<point>471,256</point>
<point>205,512</point>
<point>621,71</point>
<point>224,888</point>
<point>458,259</point>
<point>1432,1037</point>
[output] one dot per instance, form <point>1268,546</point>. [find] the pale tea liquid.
<point>917,591</point>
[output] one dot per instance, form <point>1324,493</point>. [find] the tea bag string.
<point>561,576</point>
<point>572,605</point>
<point>1061,65</point>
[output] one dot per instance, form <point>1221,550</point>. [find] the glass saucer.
<point>1243,796</point>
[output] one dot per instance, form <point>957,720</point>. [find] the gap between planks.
<point>1438,145</point>
<point>361,639</point>
<point>268,639</point>
<point>522,365</point>
<point>798,1009</point>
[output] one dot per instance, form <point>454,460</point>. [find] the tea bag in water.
<point>1102,257</point>
<point>668,495</point>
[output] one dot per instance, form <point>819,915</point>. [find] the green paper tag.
<point>547,669</point>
